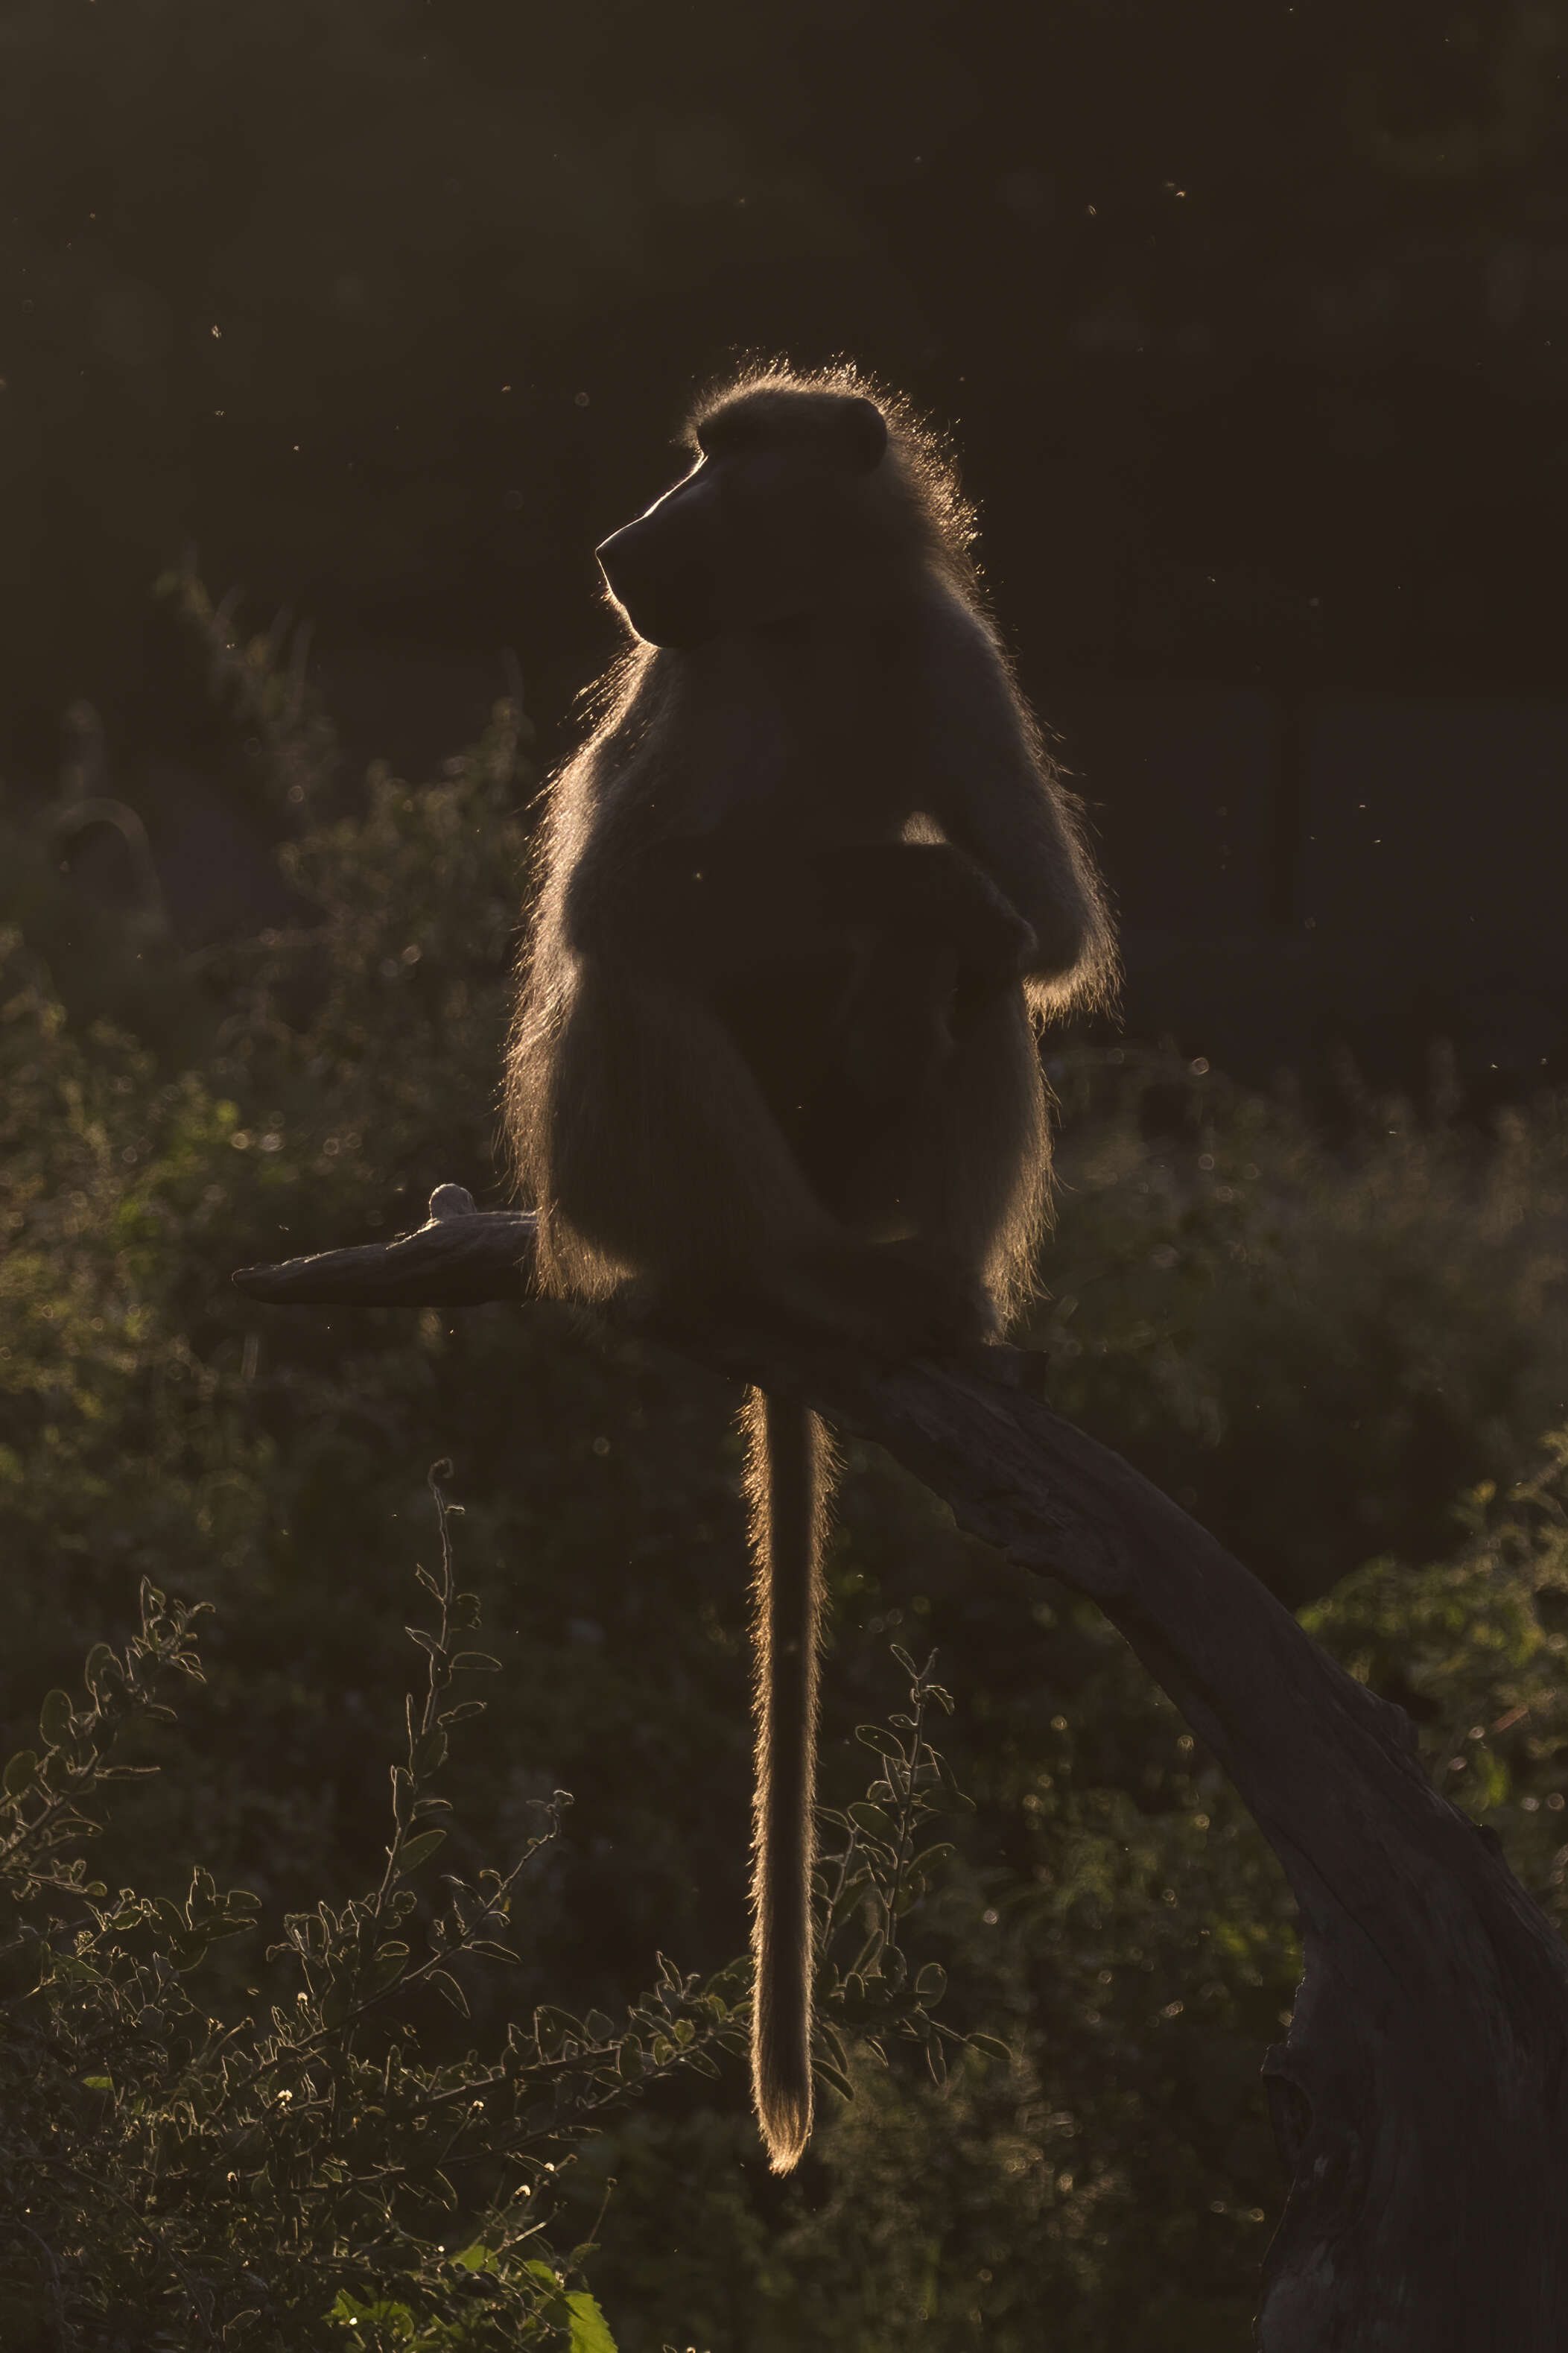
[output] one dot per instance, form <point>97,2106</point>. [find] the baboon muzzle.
<point>664,588</point>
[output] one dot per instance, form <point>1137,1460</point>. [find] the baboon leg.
<point>667,1166</point>
<point>664,1158</point>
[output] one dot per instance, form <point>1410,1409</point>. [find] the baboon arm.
<point>993,795</point>
<point>928,893</point>
<point>690,908</point>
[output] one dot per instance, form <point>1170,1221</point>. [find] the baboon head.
<point>780,514</point>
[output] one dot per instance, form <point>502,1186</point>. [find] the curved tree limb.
<point>1418,2099</point>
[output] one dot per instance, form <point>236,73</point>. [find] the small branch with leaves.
<point>866,1887</point>
<point>46,1789</point>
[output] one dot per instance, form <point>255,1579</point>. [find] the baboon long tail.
<point>790,1482</point>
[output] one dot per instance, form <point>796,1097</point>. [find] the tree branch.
<point>1417,2097</point>
<point>462,1257</point>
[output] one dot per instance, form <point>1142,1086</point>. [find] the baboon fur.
<point>802,898</point>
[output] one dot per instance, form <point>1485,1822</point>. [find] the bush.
<point>1314,1341</point>
<point>1317,1341</point>
<point>171,2176</point>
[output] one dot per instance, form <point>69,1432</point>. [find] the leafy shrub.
<point>172,2178</point>
<point>1316,1340</point>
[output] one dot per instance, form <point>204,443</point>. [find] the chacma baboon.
<point>799,897</point>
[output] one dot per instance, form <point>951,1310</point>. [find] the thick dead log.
<point>1418,2099</point>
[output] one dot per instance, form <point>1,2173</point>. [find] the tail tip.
<point>786,2126</point>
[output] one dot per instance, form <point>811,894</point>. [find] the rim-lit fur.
<point>917,480</point>
<point>791,1469</point>
<point>631,706</point>
<point>880,712</point>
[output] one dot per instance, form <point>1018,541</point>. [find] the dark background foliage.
<point>1318,1344</point>
<point>1253,325</point>
<point>1276,294</point>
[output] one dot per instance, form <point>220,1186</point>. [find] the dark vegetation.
<point>1252,322</point>
<point>1251,319</point>
<point>1346,1354</point>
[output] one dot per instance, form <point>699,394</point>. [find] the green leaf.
<point>870,1953</point>
<point>931,1982</point>
<point>54,1719</point>
<point>989,2047</point>
<point>476,2258</point>
<point>930,1856</point>
<point>430,1751</point>
<point>590,2329</point>
<point>476,1662</point>
<point>415,1850</point>
<point>874,1821</point>
<point>834,2075</point>
<point>447,1985</point>
<point>465,1708</point>
<point>73,1968</point>
<point>393,2324</point>
<point>382,1975</point>
<point>99,2082</point>
<point>20,1773</point>
<point>103,1669</point>
<point>871,1736</point>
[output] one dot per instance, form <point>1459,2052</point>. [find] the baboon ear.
<point>865,431</point>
